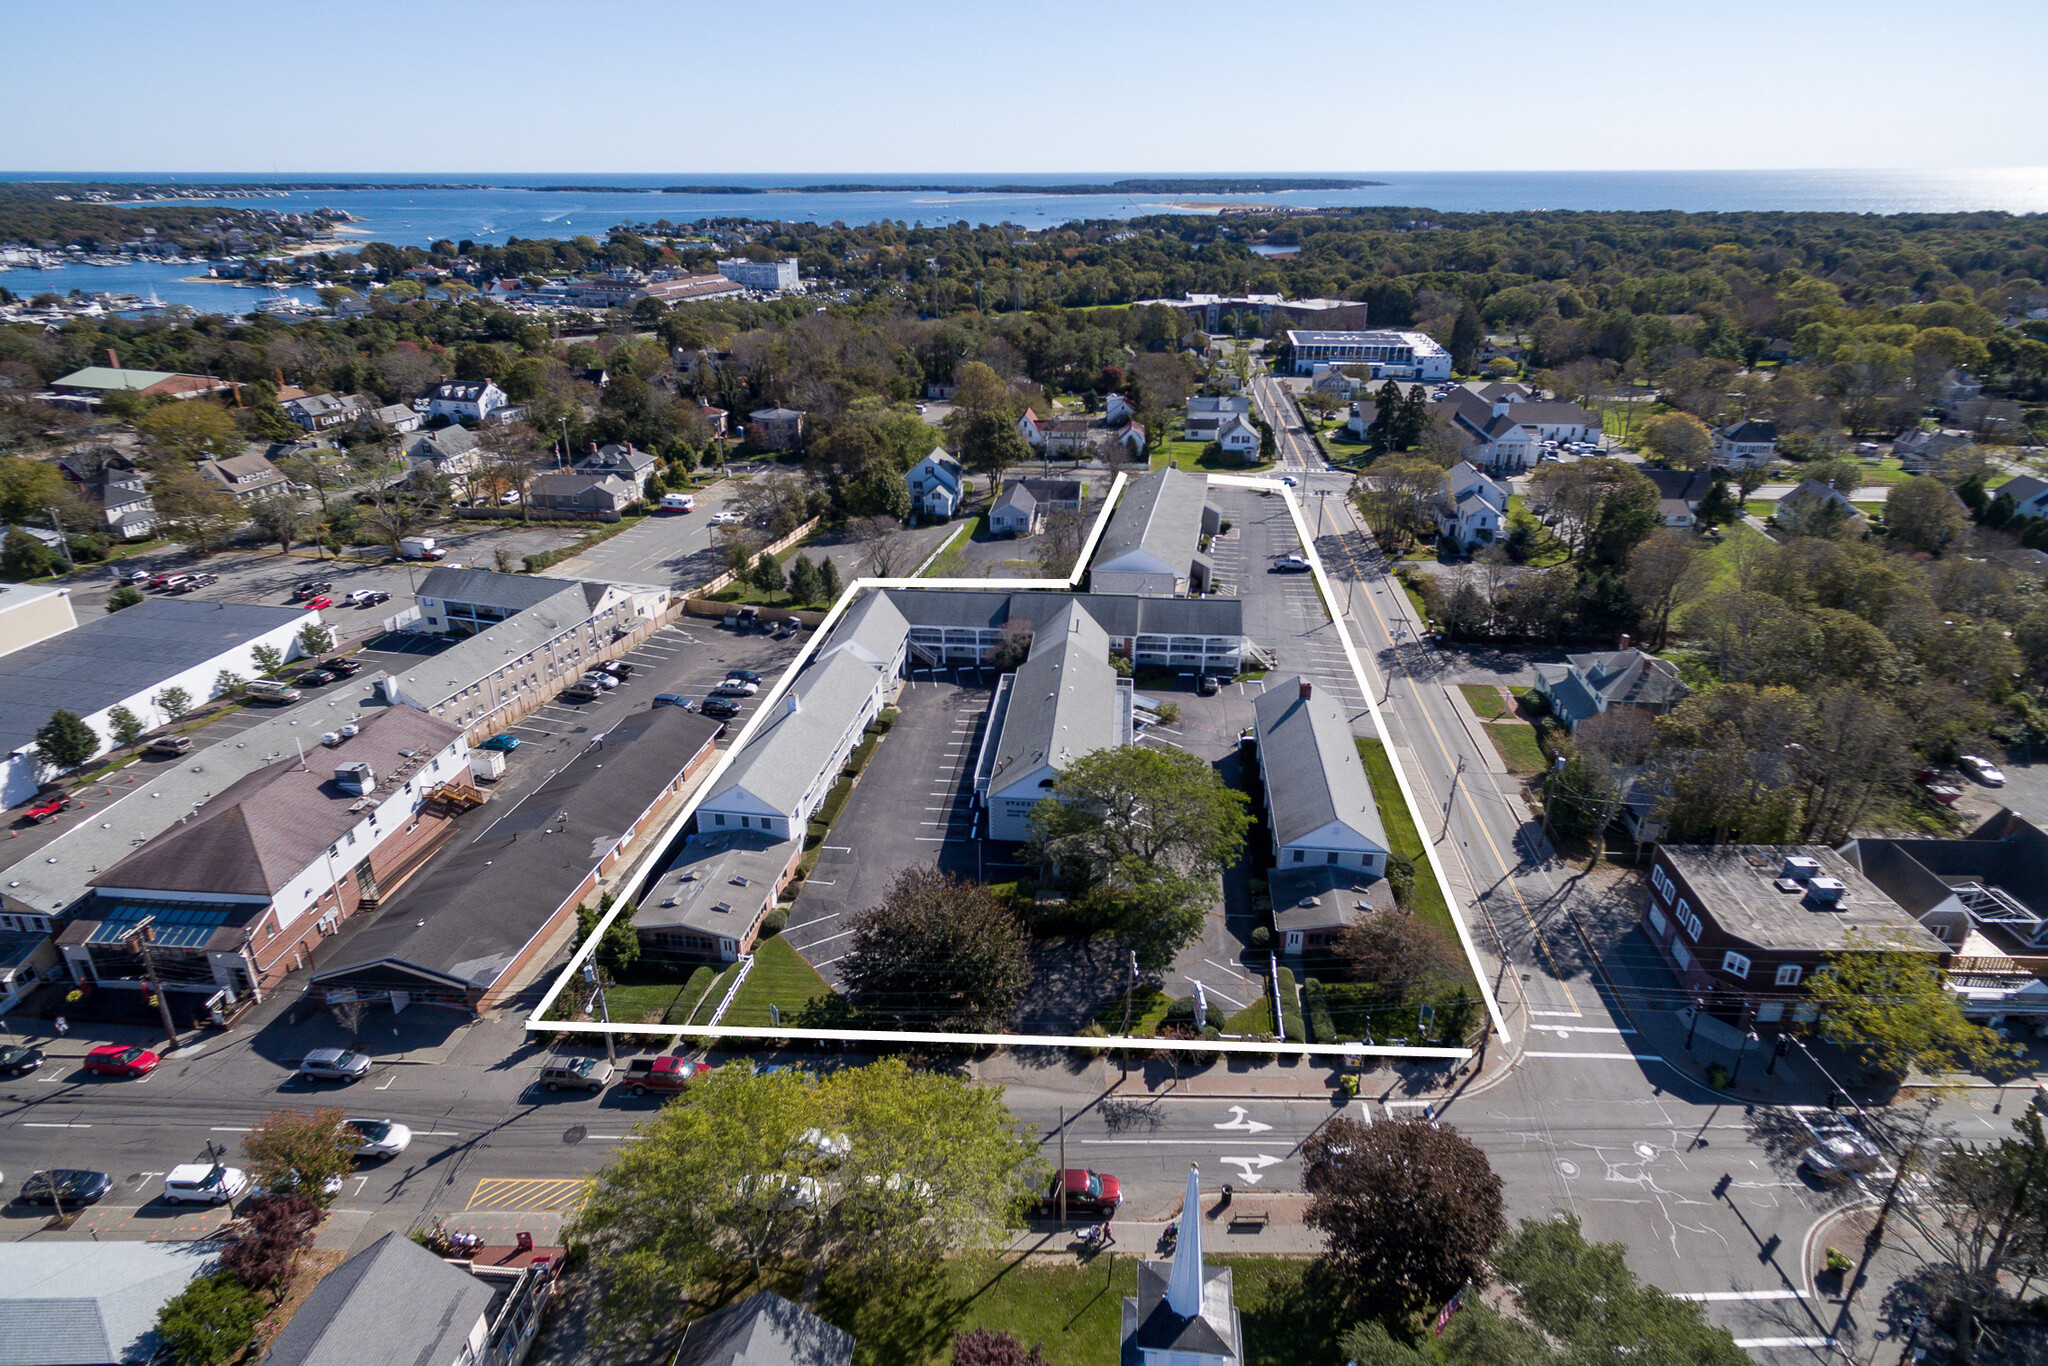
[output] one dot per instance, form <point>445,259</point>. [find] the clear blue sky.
<point>1187,86</point>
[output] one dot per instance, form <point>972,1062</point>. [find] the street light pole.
<point>1748,1037</point>
<point>1699,1005</point>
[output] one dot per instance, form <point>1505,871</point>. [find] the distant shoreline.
<point>150,193</point>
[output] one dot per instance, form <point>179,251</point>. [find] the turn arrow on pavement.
<point>1240,1121</point>
<point>1251,1167</point>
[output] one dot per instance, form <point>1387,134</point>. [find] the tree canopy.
<point>1891,1006</point>
<point>937,953</point>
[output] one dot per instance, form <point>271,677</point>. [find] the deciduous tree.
<point>1891,1006</point>
<point>1399,951</point>
<point>1925,514</point>
<point>937,953</point>
<point>1679,439</point>
<point>191,430</point>
<point>64,741</point>
<point>1666,571</point>
<point>281,519</point>
<point>300,1151</point>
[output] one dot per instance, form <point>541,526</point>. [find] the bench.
<point>1252,1220</point>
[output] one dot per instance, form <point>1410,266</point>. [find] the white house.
<point>937,484</point>
<point>1064,701</point>
<point>462,400</point>
<point>1205,413</point>
<point>2028,493</point>
<point>1473,509</point>
<point>1017,513</point>
<point>1116,408</point>
<point>452,453</point>
<point>1491,436</point>
<point>1153,544</point>
<point>1238,437</point>
<point>1319,804</point>
<point>1744,443</point>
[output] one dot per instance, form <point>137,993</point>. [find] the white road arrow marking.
<point>1250,1126</point>
<point>1251,1166</point>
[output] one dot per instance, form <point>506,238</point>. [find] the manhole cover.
<point>1568,1168</point>
<point>575,1133</point>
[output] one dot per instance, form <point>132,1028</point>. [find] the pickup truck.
<point>665,1073</point>
<point>45,808</point>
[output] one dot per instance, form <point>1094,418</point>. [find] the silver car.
<point>379,1137</point>
<point>334,1064</point>
<point>1838,1152</point>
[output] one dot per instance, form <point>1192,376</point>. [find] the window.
<point>720,818</point>
<point>1658,922</point>
<point>1678,952</point>
<point>1770,1012</point>
<point>1330,858</point>
<point>1789,974</point>
<point>1300,857</point>
<point>1735,964</point>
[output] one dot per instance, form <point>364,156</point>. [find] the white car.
<point>598,678</point>
<point>1982,769</point>
<point>736,687</point>
<point>202,1183</point>
<point>1290,481</point>
<point>726,519</point>
<point>1840,1151</point>
<point>379,1137</point>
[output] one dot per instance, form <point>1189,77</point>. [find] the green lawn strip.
<point>1761,507</point>
<point>1148,1011</point>
<point>1414,598</point>
<point>1428,898</point>
<point>1256,1018</point>
<point>1519,749</point>
<point>1868,509</point>
<point>712,996</point>
<point>1545,549</point>
<point>780,976</point>
<point>1721,556</point>
<point>1485,700</point>
<point>641,1002</point>
<point>1885,471</point>
<point>692,995</point>
<point>952,563</point>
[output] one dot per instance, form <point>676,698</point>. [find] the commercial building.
<point>766,275</point>
<point>473,927</point>
<point>1386,354</point>
<point>1229,312</point>
<point>29,613</point>
<point>621,461</point>
<point>593,493</point>
<point>1503,430</point>
<point>964,626</point>
<point>96,381</point>
<point>1329,845</point>
<point>1064,701</point>
<point>709,903</point>
<point>130,658</point>
<point>256,876</point>
<point>1153,544</point>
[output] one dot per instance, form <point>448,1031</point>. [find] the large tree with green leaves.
<point>1891,1006</point>
<point>64,741</point>
<point>991,444</point>
<point>300,1151</point>
<point>937,953</point>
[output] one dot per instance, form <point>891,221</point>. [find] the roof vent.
<point>1826,891</point>
<point>723,906</point>
<point>1800,867</point>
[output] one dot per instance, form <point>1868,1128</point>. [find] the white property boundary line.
<point>535,1023</point>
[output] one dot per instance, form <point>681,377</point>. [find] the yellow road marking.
<point>527,1193</point>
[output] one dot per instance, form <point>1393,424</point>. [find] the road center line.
<point>1637,1057</point>
<point>1709,1296</point>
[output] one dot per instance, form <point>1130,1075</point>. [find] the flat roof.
<point>111,377</point>
<point>718,885</point>
<point>1422,342</point>
<point>1736,884</point>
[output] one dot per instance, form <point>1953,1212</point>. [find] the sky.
<point>970,87</point>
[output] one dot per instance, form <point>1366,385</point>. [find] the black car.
<point>618,668</point>
<point>66,1186</point>
<point>743,675</point>
<point>341,668</point>
<point>16,1059</point>
<point>311,588</point>
<point>719,706</point>
<point>313,678</point>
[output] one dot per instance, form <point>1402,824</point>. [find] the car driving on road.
<point>379,1137</point>
<point>1839,1152</point>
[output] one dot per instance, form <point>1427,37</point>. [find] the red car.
<point>121,1060</point>
<point>315,604</point>
<point>1087,1192</point>
<point>45,807</point>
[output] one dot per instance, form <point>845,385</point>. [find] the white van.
<point>202,1183</point>
<point>678,502</point>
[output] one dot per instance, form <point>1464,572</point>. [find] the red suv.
<point>46,807</point>
<point>121,1060</point>
<point>1087,1192</point>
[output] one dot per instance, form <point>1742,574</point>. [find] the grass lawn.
<point>1545,549</point>
<point>1519,749</point>
<point>1148,1011</point>
<point>1429,900</point>
<point>1485,700</point>
<point>1721,555</point>
<point>1414,598</point>
<point>1885,471</point>
<point>1761,507</point>
<point>1624,419</point>
<point>1256,1018</point>
<point>1868,509</point>
<point>952,562</point>
<point>781,977</point>
<point>1190,456</point>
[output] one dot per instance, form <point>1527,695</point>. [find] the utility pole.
<point>1124,1054</point>
<point>603,1009</point>
<point>63,546</point>
<point>1062,1186</point>
<point>138,943</point>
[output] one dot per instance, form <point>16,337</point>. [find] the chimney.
<point>1624,641</point>
<point>1307,690</point>
<point>790,701</point>
<point>113,358</point>
<point>1500,407</point>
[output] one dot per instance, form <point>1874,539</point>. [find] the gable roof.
<point>235,468</point>
<point>1314,775</point>
<point>569,485</point>
<point>1749,431</point>
<point>1631,677</point>
<point>1063,699</point>
<point>460,390</point>
<point>1689,486</point>
<point>1016,498</point>
<point>442,444</point>
<point>1158,523</point>
<point>942,465</point>
<point>2022,489</point>
<point>90,1303</point>
<point>111,377</point>
<point>512,592</point>
<point>764,1329</point>
<point>393,1302</point>
<point>616,457</point>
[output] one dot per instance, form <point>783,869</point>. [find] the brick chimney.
<point>113,358</point>
<point>1307,689</point>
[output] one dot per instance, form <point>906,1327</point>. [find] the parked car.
<point>617,668</point>
<point>576,1074</point>
<point>310,588</point>
<point>379,1137</point>
<point>502,742</point>
<point>1982,769</point>
<point>744,675</point>
<point>16,1059</point>
<point>787,628</point>
<point>581,691</point>
<point>196,581</point>
<point>67,1187</point>
<point>665,1073</point>
<point>134,576</point>
<point>1208,685</point>
<point>334,1064</point>
<point>341,667</point>
<point>737,687</point>
<point>171,583</point>
<point>203,1183</point>
<point>1838,1152</point>
<point>368,597</point>
<point>674,699</point>
<point>169,744</point>
<point>726,519</point>
<point>1088,1192</point>
<point>598,678</point>
<point>317,604</point>
<point>121,1060</point>
<point>1291,564</point>
<point>44,808</point>
<point>715,705</point>
<point>289,1181</point>
<point>314,678</point>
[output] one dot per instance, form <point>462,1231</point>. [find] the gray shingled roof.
<point>764,1330</point>
<point>111,658</point>
<point>1064,702</point>
<point>90,1303</point>
<point>1314,774</point>
<point>1158,524</point>
<point>510,592</point>
<point>736,869</point>
<point>394,1303</point>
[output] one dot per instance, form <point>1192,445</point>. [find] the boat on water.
<point>283,306</point>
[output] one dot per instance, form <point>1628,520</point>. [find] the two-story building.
<point>1064,701</point>
<point>937,484</point>
<point>1153,544</point>
<point>1320,808</point>
<point>775,429</point>
<point>2028,495</point>
<point>1751,441</point>
<point>1472,509</point>
<point>451,453</point>
<point>620,461</point>
<point>1584,686</point>
<point>245,478</point>
<point>462,400</point>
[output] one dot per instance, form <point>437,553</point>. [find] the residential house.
<point>775,429</point>
<point>398,418</point>
<point>1585,686</point>
<point>1922,452</point>
<point>1207,412</point>
<point>1116,408</point>
<point>1679,494</point>
<point>581,493</point>
<point>763,1329</point>
<point>321,412</point>
<point>113,483</point>
<point>1989,416</point>
<point>937,484</point>
<point>1132,438</point>
<point>782,775</point>
<point>1237,436</point>
<point>622,461</point>
<point>1811,498</point>
<point>462,400</point>
<point>1153,544</point>
<point>1017,512</point>
<point>94,1303</point>
<point>451,453</point>
<point>1056,435</point>
<point>1748,442</point>
<point>714,418</point>
<point>2027,493</point>
<point>1320,809</point>
<point>266,869</point>
<point>246,478</point>
<point>1955,388</point>
<point>1338,383</point>
<point>1472,510</point>
<point>1064,701</point>
<point>1745,927</point>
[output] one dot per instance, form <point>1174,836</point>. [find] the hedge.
<point>1290,1008</point>
<point>685,1004</point>
<point>1322,1028</point>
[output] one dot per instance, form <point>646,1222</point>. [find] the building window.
<point>1735,964</point>
<point>334,851</point>
<point>1770,1012</point>
<point>1658,922</point>
<point>1300,856</point>
<point>1678,952</point>
<point>720,818</point>
<point>1331,858</point>
<point>1789,974</point>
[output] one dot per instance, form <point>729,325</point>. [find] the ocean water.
<point>510,206</point>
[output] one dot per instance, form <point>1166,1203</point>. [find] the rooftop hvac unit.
<point>1802,868</point>
<point>1826,891</point>
<point>357,778</point>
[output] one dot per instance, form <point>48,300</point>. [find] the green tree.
<point>268,658</point>
<point>173,702</point>
<point>877,489</point>
<point>1665,572</point>
<point>227,683</point>
<point>192,430</point>
<point>991,443</point>
<point>126,725</point>
<point>210,1321</point>
<point>300,1151</point>
<point>1991,1209</point>
<point>620,948</point>
<point>192,507</point>
<point>979,391</point>
<point>937,953</point>
<point>1408,1211</point>
<point>1678,439</point>
<point>1925,514</point>
<point>1891,1006</point>
<point>281,519</point>
<point>829,586</point>
<point>1720,506</point>
<point>804,584</point>
<point>315,639</point>
<point>1466,334</point>
<point>767,576</point>
<point>65,742</point>
<point>23,556</point>
<point>127,595</point>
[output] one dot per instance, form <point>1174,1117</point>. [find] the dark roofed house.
<point>393,1302</point>
<point>245,478</point>
<point>1679,493</point>
<point>1320,809</point>
<point>620,460</point>
<point>581,493</point>
<point>775,429</point>
<point>1748,442</point>
<point>2027,493</point>
<point>1586,685</point>
<point>764,1329</point>
<point>1153,542</point>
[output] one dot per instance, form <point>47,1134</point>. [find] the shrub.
<point>1322,1028</point>
<point>1717,1076</point>
<point>1169,712</point>
<point>1091,1030</point>
<point>1838,1260</point>
<point>1401,878</point>
<point>1261,940</point>
<point>775,921</point>
<point>1290,1009</point>
<point>210,1321</point>
<point>280,1228</point>
<point>990,1347</point>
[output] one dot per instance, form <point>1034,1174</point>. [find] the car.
<point>367,597</point>
<point>334,1064</point>
<point>314,678</point>
<point>509,498</point>
<point>379,1137</point>
<point>1291,564</point>
<point>172,583</point>
<point>598,678</point>
<point>1290,481</point>
<point>1208,685</point>
<point>1982,769</point>
<point>744,675</point>
<point>674,699</point>
<point>581,691</point>
<point>121,1060</point>
<point>134,576</point>
<point>717,706</point>
<point>726,519</point>
<point>316,604</point>
<point>617,668</point>
<point>196,581</point>
<point>66,1187</point>
<point>1088,1192</point>
<point>502,742</point>
<point>161,580</point>
<point>576,1074</point>
<point>736,687</point>
<point>169,744</point>
<point>1839,1152</point>
<point>341,667</point>
<point>288,1182</point>
<point>310,588</point>
<point>203,1183</point>
<point>16,1059</point>
<point>46,808</point>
